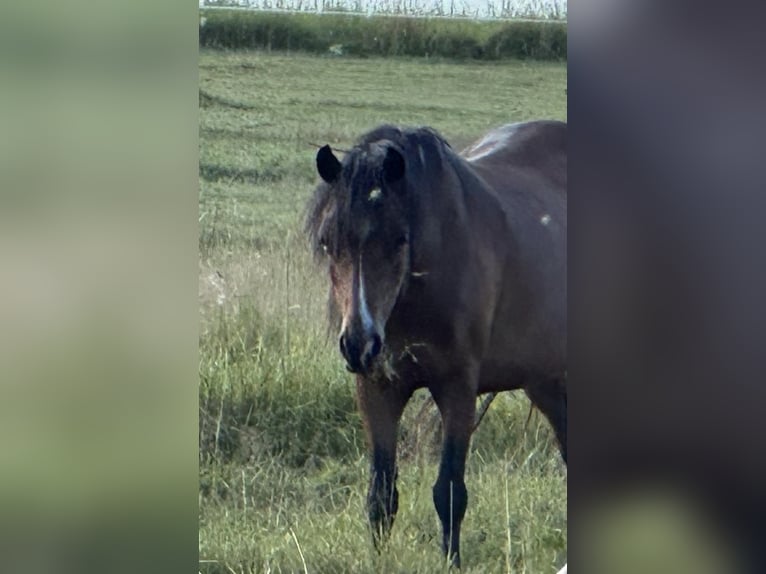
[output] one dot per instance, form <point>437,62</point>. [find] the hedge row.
<point>382,35</point>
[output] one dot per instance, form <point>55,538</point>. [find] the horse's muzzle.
<point>360,352</point>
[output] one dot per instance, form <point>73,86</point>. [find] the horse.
<point>446,271</point>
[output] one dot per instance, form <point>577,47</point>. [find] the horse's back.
<point>533,149</point>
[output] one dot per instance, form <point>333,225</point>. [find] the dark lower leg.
<point>381,408</point>
<point>450,499</point>
<point>382,496</point>
<point>449,491</point>
<point>457,404</point>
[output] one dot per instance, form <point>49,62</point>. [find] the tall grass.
<point>383,36</point>
<point>530,9</point>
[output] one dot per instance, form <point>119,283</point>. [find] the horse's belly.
<point>494,377</point>
<point>519,362</point>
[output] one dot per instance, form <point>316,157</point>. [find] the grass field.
<point>283,469</point>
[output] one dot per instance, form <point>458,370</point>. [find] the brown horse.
<point>447,271</point>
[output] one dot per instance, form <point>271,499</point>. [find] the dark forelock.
<point>329,210</point>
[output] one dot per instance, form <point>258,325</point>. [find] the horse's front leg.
<point>381,406</point>
<point>450,494</point>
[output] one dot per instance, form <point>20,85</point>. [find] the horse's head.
<point>360,224</point>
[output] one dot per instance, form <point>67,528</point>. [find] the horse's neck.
<point>440,213</point>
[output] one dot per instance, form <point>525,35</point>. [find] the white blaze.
<point>364,311</point>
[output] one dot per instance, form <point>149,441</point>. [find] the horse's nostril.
<point>359,358</point>
<point>376,346</point>
<point>350,352</point>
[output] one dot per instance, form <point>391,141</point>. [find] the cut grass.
<point>283,468</point>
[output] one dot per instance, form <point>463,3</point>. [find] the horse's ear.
<point>393,166</point>
<point>328,165</point>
